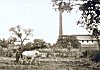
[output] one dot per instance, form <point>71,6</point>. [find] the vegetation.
<point>92,55</point>
<point>4,43</point>
<point>69,39</point>
<point>20,34</point>
<point>28,46</point>
<point>39,43</point>
<point>90,18</point>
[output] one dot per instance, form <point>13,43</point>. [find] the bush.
<point>8,53</point>
<point>93,55</point>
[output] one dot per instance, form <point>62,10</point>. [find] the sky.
<point>38,15</point>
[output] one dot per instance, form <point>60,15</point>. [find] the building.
<point>87,41</point>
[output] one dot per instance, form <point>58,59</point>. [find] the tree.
<point>69,39</point>
<point>28,46</point>
<point>20,34</point>
<point>74,42</point>
<point>40,43</point>
<point>90,18</point>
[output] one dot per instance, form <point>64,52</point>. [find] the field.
<point>49,64</point>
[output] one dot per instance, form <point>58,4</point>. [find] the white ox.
<point>30,54</point>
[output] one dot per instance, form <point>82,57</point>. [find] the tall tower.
<point>60,23</point>
<point>61,6</point>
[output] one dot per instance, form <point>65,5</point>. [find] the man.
<point>17,55</point>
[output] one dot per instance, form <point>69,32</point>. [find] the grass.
<point>8,64</point>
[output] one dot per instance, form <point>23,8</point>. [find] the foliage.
<point>20,34</point>
<point>69,39</point>
<point>4,43</point>
<point>90,18</point>
<point>63,5</point>
<point>74,42</point>
<point>39,43</point>
<point>12,39</point>
<point>1,50</point>
<point>8,53</point>
<point>93,55</point>
<point>28,46</point>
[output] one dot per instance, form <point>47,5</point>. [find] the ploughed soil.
<point>49,64</point>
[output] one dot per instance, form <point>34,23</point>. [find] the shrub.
<point>93,55</point>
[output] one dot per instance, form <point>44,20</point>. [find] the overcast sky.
<point>38,15</point>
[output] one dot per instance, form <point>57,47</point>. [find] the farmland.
<point>49,64</point>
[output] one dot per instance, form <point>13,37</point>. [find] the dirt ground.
<point>9,64</point>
